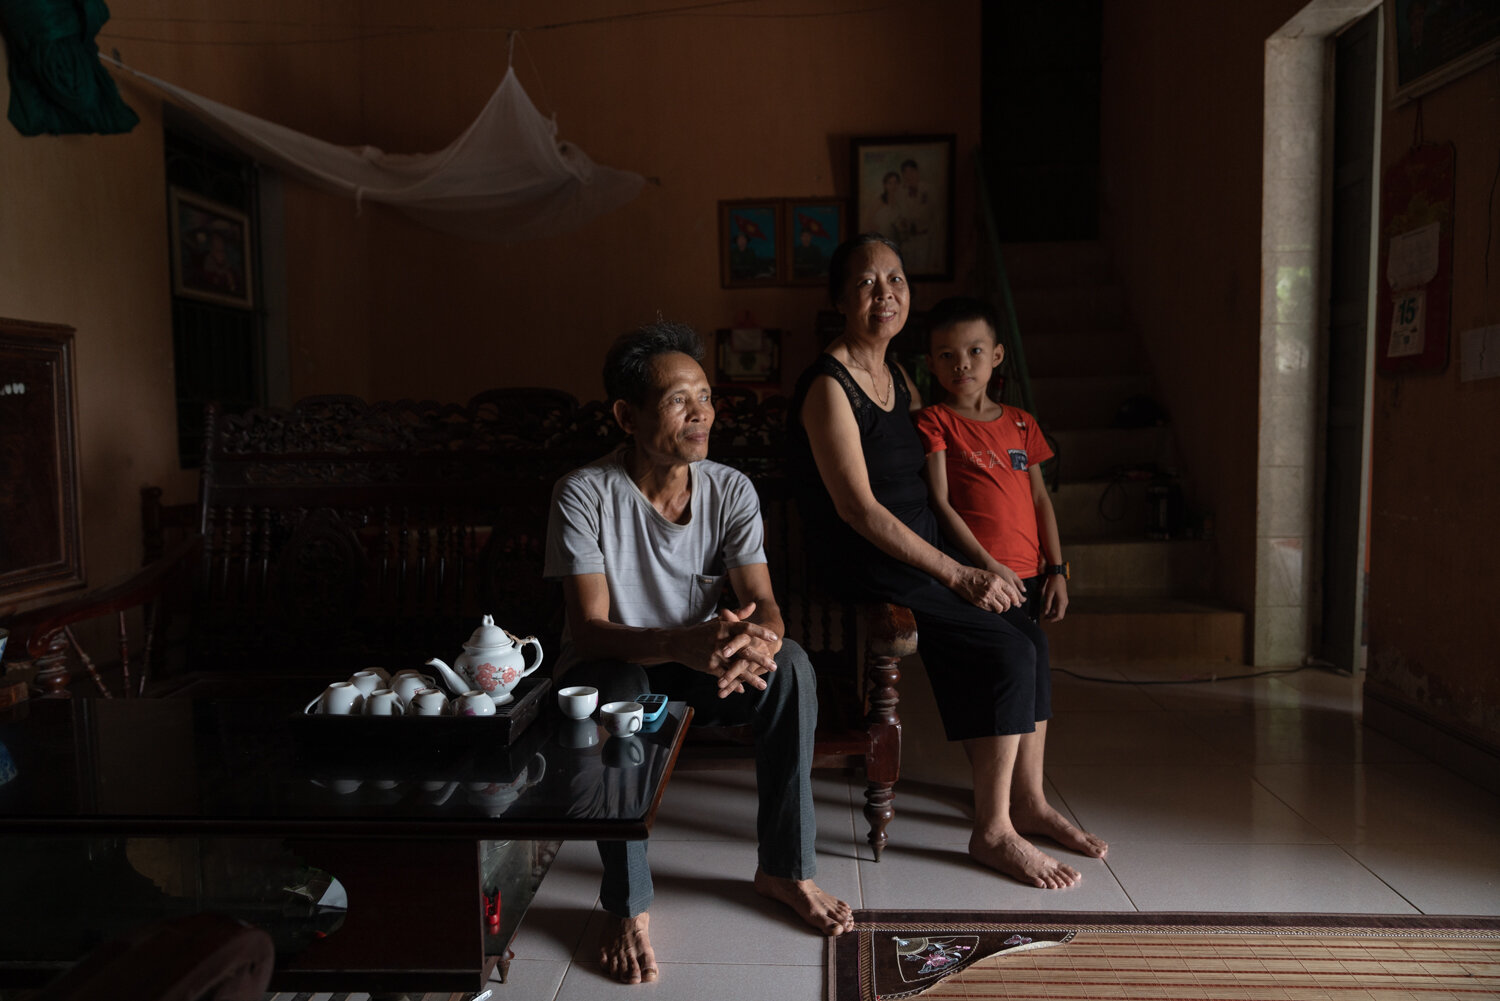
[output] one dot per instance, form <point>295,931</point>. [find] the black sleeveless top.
<point>894,458</point>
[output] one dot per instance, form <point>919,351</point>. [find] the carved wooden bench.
<point>338,534</point>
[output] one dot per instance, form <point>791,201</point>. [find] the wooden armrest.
<point>140,587</point>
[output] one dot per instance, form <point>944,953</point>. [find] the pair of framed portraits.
<point>903,189</point>
<point>779,241</point>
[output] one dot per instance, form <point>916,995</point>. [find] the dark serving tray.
<point>408,734</point>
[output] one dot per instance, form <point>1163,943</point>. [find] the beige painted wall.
<point>83,242</point>
<point>1434,541</point>
<point>715,107</point>
<point>1183,113</point>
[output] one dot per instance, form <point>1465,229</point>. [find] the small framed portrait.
<point>750,246</point>
<point>903,188</point>
<point>749,355</point>
<point>814,227</point>
<point>210,251</point>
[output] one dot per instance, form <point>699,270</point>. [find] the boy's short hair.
<point>958,309</point>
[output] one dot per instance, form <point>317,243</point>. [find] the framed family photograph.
<point>750,244</point>
<point>814,227</point>
<point>1431,42</point>
<point>40,549</point>
<point>210,251</point>
<point>903,188</point>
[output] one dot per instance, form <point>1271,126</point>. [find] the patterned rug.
<point>949,955</point>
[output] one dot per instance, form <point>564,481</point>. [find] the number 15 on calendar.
<point>1407,314</point>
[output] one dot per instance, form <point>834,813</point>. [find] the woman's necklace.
<point>890,382</point>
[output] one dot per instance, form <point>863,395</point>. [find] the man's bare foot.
<point>625,949</point>
<point>1043,821</point>
<point>1015,856</point>
<point>827,914</point>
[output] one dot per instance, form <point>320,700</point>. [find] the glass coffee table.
<point>377,859</point>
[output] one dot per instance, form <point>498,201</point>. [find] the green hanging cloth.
<point>57,83</point>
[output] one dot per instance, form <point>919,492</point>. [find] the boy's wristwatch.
<point>1058,568</point>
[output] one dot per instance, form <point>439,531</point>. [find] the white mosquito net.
<point>507,178</point>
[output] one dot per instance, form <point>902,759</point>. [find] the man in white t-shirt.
<point>644,541</point>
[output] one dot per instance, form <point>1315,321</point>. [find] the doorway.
<point>1338,636</point>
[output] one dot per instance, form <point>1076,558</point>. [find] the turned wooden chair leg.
<point>892,635</point>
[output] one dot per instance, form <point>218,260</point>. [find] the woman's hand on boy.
<point>985,589</point>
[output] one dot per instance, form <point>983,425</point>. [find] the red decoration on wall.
<point>1413,310</point>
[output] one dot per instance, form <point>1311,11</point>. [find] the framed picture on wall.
<point>210,251</point>
<point>1430,42</point>
<point>40,552</point>
<point>749,355</point>
<point>903,188</point>
<point>814,227</point>
<point>750,246</point>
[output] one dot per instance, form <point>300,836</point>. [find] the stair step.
<point>1075,307</point>
<point>1066,262</point>
<point>1100,509</point>
<point>1119,627</point>
<point>1085,401</point>
<point>1098,453</point>
<point>1139,568</point>
<point>1081,352</point>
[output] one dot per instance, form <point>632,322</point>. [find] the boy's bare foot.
<point>827,914</point>
<point>625,949</point>
<point>1043,821</point>
<point>1015,856</point>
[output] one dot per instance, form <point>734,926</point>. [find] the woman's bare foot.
<point>1015,856</point>
<point>827,914</point>
<point>1042,820</point>
<point>625,949</point>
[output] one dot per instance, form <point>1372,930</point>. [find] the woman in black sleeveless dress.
<point>858,460</point>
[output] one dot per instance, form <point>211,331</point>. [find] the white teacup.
<point>474,703</point>
<point>338,699</point>
<point>578,702</point>
<point>382,702</point>
<point>366,681</point>
<point>621,719</point>
<point>429,702</point>
<point>406,685</point>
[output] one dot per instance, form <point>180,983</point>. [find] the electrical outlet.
<point>1479,353</point>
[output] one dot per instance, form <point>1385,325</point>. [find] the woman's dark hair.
<point>627,366</point>
<point>838,264</point>
<point>891,175</point>
<point>961,309</point>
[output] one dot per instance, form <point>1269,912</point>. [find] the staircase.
<point>1131,597</point>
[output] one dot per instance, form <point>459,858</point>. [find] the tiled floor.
<point>1251,795</point>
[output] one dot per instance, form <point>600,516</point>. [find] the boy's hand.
<point>1011,577</point>
<point>1054,597</point>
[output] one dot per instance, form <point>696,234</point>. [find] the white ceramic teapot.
<point>493,662</point>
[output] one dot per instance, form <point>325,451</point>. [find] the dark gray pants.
<point>783,718</point>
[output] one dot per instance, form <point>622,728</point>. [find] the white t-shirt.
<point>660,574</point>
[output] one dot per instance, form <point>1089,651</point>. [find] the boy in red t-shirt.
<point>986,489</point>
<point>984,462</point>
